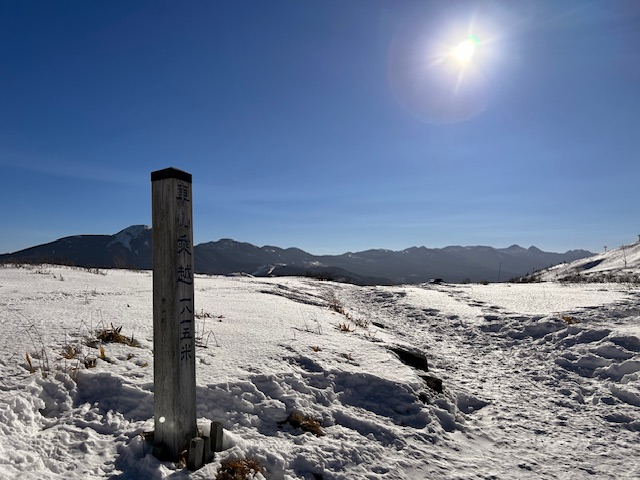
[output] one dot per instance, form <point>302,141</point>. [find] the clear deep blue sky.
<point>332,126</point>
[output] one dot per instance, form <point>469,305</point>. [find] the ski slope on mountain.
<point>539,381</point>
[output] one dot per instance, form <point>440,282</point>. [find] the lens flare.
<point>463,53</point>
<point>439,68</point>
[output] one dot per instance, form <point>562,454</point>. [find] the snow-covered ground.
<point>540,380</point>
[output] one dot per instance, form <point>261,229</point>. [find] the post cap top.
<point>171,172</point>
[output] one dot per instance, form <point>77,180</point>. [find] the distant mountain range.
<point>131,248</point>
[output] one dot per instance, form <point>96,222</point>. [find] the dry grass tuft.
<point>361,323</point>
<point>41,351</point>
<point>569,320</point>
<point>240,469</point>
<point>336,305</point>
<point>113,335</point>
<point>345,327</point>
<point>305,423</point>
<point>348,356</point>
<point>70,352</point>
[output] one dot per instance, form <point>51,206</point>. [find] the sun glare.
<point>463,53</point>
<point>441,73</point>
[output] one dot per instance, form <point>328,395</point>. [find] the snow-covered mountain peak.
<point>125,236</point>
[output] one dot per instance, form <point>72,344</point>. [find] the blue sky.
<point>332,126</point>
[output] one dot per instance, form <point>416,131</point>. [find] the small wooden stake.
<point>208,452</point>
<point>216,435</point>
<point>196,450</point>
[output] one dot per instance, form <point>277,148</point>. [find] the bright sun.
<point>463,53</point>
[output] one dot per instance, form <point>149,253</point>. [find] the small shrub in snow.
<point>239,469</point>
<point>336,305</point>
<point>113,335</point>
<point>305,423</point>
<point>345,327</point>
<point>69,352</point>
<point>361,323</point>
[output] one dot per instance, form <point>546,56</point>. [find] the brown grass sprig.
<point>31,369</point>
<point>113,335</point>
<point>345,327</point>
<point>238,469</point>
<point>69,352</point>
<point>305,423</point>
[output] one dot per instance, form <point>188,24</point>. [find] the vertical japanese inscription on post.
<point>184,277</point>
<point>173,327</point>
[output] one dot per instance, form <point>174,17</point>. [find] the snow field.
<point>527,393</point>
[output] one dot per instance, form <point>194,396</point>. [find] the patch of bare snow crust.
<point>449,381</point>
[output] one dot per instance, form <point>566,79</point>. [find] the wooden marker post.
<point>173,324</point>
